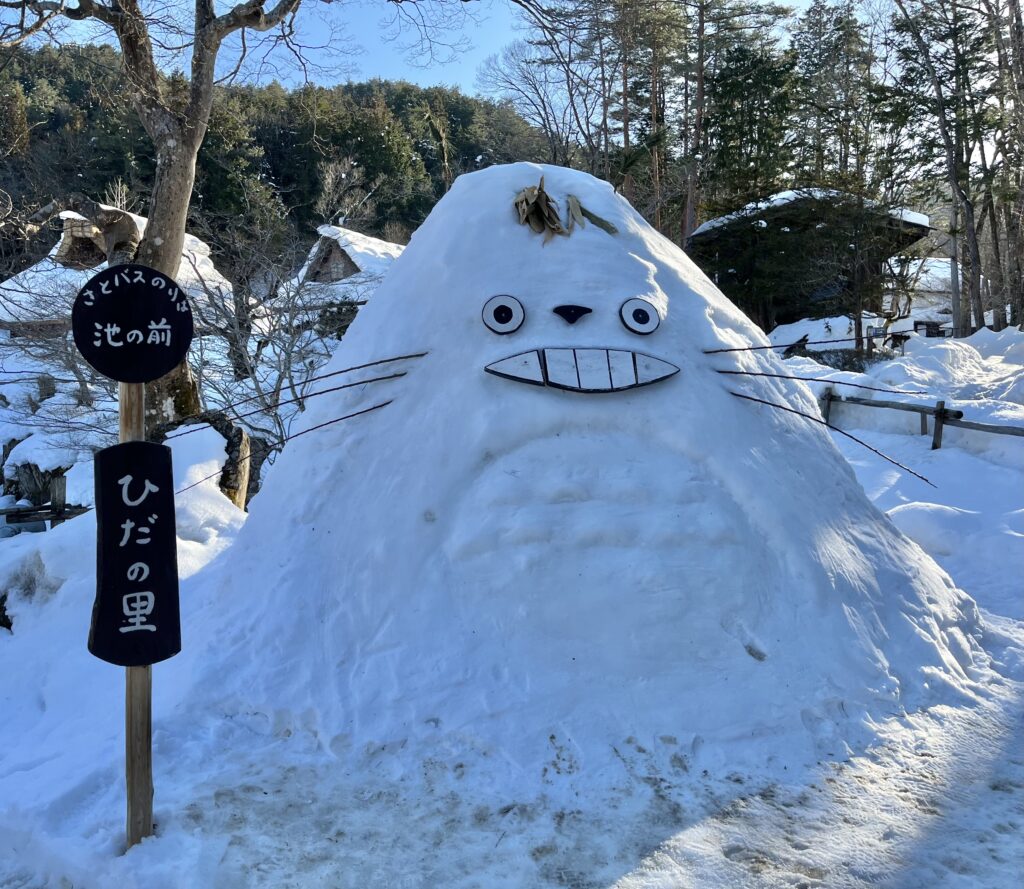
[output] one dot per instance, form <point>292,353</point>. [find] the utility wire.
<point>790,410</point>
<point>290,438</point>
<point>801,342</point>
<point>262,410</point>
<point>333,373</point>
<point>753,373</point>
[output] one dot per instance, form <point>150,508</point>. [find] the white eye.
<point>639,316</point>
<point>504,314</point>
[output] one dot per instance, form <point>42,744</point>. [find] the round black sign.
<point>132,323</point>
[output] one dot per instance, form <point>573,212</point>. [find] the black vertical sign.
<point>135,619</point>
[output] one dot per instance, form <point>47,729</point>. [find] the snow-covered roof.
<point>47,290</point>
<point>783,198</point>
<point>372,255</point>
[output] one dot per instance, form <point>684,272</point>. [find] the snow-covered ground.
<point>255,789</point>
<point>939,803</point>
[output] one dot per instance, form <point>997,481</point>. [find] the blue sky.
<point>358,40</point>
<point>484,27</point>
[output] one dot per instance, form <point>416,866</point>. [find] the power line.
<point>753,373</point>
<point>790,410</point>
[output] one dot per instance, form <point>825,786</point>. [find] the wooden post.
<point>924,424</point>
<point>940,410</point>
<point>58,499</point>
<point>138,712</point>
<point>827,408</point>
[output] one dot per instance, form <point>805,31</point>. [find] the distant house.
<point>37,301</point>
<point>342,270</point>
<point>804,253</point>
<point>341,254</point>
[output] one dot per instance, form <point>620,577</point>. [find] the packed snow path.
<point>939,804</point>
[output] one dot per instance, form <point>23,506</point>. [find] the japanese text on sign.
<point>132,323</point>
<point>135,618</point>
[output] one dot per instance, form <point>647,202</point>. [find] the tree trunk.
<point>998,301</point>
<point>175,395</point>
<point>689,220</point>
<point>954,272</point>
<point>1015,249</point>
<point>655,153</point>
<point>974,258</point>
<point>627,179</point>
<point>606,100</point>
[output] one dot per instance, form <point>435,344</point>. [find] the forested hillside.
<point>694,109</point>
<point>276,161</point>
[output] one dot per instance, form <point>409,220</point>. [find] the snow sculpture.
<point>619,549</point>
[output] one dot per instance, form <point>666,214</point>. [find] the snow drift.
<point>488,571</point>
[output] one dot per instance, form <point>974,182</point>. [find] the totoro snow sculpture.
<point>559,529</point>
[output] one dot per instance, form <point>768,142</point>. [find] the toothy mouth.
<point>583,370</point>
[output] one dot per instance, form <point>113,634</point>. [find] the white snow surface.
<point>499,635</point>
<point>585,567</point>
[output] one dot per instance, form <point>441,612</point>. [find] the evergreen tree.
<point>832,92</point>
<point>750,100</point>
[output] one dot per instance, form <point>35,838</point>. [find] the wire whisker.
<point>753,373</point>
<point>333,373</point>
<point>263,410</point>
<point>818,420</point>
<point>289,438</point>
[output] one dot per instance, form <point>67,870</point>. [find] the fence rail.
<point>55,512</point>
<point>943,416</point>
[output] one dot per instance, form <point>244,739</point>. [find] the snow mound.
<point>491,572</point>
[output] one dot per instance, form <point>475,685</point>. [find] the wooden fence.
<point>55,512</point>
<point>943,416</point>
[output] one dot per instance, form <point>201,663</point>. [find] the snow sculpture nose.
<point>571,313</point>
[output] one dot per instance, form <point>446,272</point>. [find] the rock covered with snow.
<point>565,532</point>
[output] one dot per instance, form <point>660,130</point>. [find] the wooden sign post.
<point>138,690</point>
<point>133,324</point>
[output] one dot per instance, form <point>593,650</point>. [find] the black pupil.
<point>503,314</point>
<point>640,316</point>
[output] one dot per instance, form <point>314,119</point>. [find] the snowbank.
<point>502,635</point>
